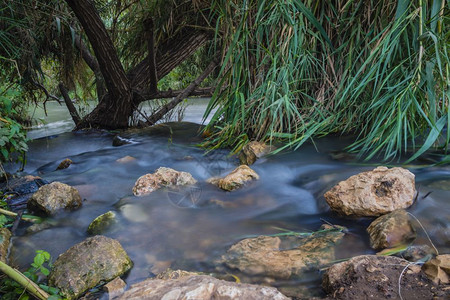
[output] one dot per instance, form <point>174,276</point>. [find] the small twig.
<point>16,222</point>
<point>337,227</point>
<point>427,194</point>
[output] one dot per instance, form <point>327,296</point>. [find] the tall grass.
<point>295,70</point>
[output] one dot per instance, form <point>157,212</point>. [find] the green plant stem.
<point>25,218</point>
<point>21,279</point>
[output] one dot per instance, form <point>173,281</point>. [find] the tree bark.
<point>115,111</point>
<point>151,56</point>
<point>169,106</point>
<point>92,63</point>
<point>169,55</point>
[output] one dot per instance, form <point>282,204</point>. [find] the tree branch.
<point>166,108</point>
<point>198,92</point>
<point>169,55</point>
<point>92,63</point>
<point>151,55</point>
<point>72,110</point>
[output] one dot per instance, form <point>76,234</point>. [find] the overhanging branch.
<point>169,106</point>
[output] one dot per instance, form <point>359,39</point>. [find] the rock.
<point>64,164</point>
<point>102,223</point>
<point>373,193</point>
<point>120,141</point>
<point>5,236</point>
<point>163,177</point>
<point>38,227</point>
<point>438,269</point>
<point>253,151</point>
<point>53,197</point>
<point>196,287</point>
<point>126,159</point>
<point>115,287</point>
<point>377,277</point>
<point>175,274</point>
<point>19,190</point>
<point>236,179</point>
<point>95,260</point>
<point>23,185</point>
<point>416,253</point>
<point>391,230</point>
<point>262,255</point>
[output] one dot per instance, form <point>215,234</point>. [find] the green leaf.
<point>432,137</point>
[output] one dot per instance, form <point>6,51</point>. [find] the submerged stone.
<point>5,237</point>
<point>391,230</point>
<point>95,260</point>
<point>120,141</point>
<point>64,164</point>
<point>236,179</point>
<point>51,198</point>
<point>125,159</point>
<point>262,255</point>
<point>163,177</point>
<point>195,287</point>
<point>373,193</point>
<point>175,274</point>
<point>102,223</point>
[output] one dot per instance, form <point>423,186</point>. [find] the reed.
<point>297,70</point>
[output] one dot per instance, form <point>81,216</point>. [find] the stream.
<point>188,230</point>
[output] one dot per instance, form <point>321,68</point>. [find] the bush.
<point>12,136</point>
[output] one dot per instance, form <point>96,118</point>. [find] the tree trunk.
<point>114,110</point>
<point>126,91</point>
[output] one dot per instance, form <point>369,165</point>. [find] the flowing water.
<point>188,229</point>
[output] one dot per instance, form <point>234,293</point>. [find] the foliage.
<point>12,136</point>
<point>294,70</point>
<point>42,262</point>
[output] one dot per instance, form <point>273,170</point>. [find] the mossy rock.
<point>96,260</point>
<point>102,223</point>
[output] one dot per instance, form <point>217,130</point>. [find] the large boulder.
<point>51,198</point>
<point>5,236</point>
<point>96,260</point>
<point>253,151</point>
<point>163,177</point>
<point>373,193</point>
<point>391,230</point>
<point>236,179</point>
<point>194,287</point>
<point>262,255</point>
<point>377,277</point>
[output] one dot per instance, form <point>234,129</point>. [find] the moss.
<point>102,223</point>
